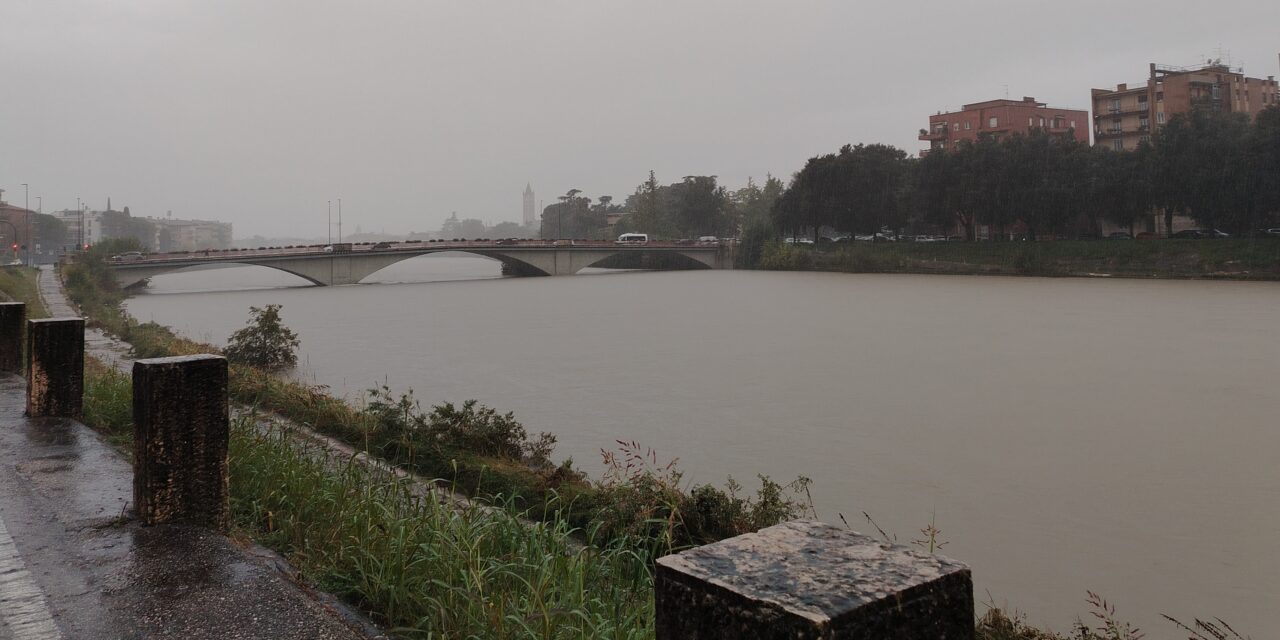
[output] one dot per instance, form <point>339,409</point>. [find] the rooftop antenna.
<point>1006,92</point>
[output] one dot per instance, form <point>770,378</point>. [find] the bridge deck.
<point>318,250</point>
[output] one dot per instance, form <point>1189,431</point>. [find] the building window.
<point>967,125</point>
<point>1159,117</point>
<point>1117,144</point>
<point>993,122</point>
<point>955,126</point>
<point>1031,122</point>
<point>1159,96</point>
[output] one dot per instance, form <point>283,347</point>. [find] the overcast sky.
<point>258,112</point>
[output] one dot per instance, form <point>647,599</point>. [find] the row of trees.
<point>1218,168</point>
<point>694,207</point>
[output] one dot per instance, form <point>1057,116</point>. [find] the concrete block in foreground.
<point>180,433</point>
<point>55,367</point>
<point>803,580</point>
<point>13,316</point>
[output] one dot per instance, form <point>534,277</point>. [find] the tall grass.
<point>430,570</point>
<point>108,401</point>
<point>18,284</point>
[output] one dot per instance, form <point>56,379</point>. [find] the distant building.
<point>612,219</point>
<point>530,211</point>
<point>1126,116</point>
<point>71,220</point>
<point>14,223</point>
<point>1000,118</point>
<point>173,234</point>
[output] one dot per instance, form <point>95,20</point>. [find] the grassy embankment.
<point>1236,259</point>
<point>18,284</point>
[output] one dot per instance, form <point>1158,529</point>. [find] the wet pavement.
<point>74,563</point>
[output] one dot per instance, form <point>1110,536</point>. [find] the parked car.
<point>1147,235</point>
<point>382,245</point>
<point>1119,235</point>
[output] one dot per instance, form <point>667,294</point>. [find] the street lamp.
<point>330,227</point>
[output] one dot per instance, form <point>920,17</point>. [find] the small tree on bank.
<point>265,343</point>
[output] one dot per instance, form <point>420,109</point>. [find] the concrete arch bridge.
<point>349,264</point>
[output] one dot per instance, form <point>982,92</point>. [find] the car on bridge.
<point>126,256</point>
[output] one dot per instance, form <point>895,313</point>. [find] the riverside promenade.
<point>75,563</point>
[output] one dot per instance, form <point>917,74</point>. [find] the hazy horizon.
<point>258,114</point>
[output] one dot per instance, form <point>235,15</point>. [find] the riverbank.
<point>1229,259</point>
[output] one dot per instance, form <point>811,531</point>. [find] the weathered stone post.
<point>180,433</point>
<point>13,317</point>
<point>55,367</point>
<point>807,580</point>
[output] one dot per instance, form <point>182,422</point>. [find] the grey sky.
<point>259,111</point>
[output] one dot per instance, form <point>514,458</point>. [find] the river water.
<point>1064,434</point>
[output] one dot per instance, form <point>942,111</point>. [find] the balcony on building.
<point>938,133</point>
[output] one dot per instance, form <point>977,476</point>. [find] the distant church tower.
<point>530,215</point>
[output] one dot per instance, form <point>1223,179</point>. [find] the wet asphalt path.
<point>74,564</point>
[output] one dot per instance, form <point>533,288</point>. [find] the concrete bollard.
<point>180,432</point>
<point>13,316</point>
<point>803,580</point>
<point>55,367</point>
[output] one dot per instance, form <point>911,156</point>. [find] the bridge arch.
<point>135,278</point>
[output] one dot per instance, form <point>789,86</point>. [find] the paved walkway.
<point>73,564</point>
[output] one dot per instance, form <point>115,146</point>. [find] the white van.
<point>633,238</point>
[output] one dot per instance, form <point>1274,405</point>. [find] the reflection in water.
<point>1065,434</point>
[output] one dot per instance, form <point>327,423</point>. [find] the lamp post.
<point>330,227</point>
<point>339,220</point>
